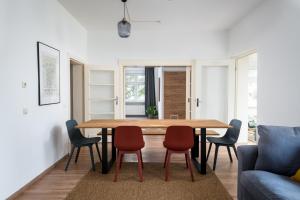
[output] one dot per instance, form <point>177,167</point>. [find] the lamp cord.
<point>125,6</point>
<point>124,10</point>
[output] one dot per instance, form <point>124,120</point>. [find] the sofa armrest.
<point>247,155</point>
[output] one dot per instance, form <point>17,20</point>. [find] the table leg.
<point>113,147</point>
<point>203,150</point>
<point>195,148</point>
<point>201,167</point>
<point>105,164</point>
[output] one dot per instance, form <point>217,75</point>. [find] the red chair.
<point>178,139</point>
<point>129,139</point>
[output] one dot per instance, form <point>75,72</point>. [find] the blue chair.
<point>78,141</point>
<point>229,139</point>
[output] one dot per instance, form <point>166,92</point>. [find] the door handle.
<point>198,101</point>
<point>116,100</point>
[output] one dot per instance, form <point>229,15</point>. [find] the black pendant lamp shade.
<point>124,26</point>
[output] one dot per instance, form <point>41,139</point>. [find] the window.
<point>135,85</point>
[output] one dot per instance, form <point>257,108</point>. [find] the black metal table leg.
<point>195,149</point>
<point>203,150</point>
<point>113,148</point>
<point>105,164</point>
<point>201,167</point>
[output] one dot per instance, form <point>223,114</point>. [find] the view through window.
<point>135,91</point>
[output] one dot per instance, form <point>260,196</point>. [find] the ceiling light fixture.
<point>124,26</point>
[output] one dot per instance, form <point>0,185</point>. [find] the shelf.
<point>109,113</point>
<point>101,84</point>
<point>99,99</point>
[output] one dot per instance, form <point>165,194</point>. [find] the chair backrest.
<point>234,132</point>
<point>180,136</point>
<point>73,132</point>
<point>128,137</point>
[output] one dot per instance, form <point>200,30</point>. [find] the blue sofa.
<point>264,170</point>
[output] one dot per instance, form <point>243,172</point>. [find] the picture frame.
<point>48,74</point>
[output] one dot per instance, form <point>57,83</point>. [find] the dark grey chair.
<point>78,141</point>
<point>229,139</point>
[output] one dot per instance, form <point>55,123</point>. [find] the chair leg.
<point>229,153</point>
<point>216,156</point>
<point>142,159</point>
<point>98,151</point>
<point>189,164</point>
<point>92,158</point>
<point>77,154</point>
<point>140,168</point>
<point>234,149</point>
<point>121,161</point>
<point>118,165</point>
<point>210,144</point>
<point>186,161</point>
<point>167,165</point>
<point>70,157</point>
<point>166,158</point>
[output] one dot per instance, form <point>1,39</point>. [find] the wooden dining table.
<point>203,125</point>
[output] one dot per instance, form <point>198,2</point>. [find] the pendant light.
<point>124,26</point>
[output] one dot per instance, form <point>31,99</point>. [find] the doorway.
<point>77,91</point>
<point>165,88</point>
<point>246,95</point>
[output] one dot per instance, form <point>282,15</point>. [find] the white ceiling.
<point>174,14</point>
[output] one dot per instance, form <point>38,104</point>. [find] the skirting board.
<point>25,187</point>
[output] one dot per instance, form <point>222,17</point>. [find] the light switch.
<point>24,84</point>
<point>25,111</point>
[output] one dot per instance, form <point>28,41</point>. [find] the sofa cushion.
<point>278,150</point>
<point>266,185</point>
<point>296,177</point>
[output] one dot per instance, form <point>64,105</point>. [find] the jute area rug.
<point>179,187</point>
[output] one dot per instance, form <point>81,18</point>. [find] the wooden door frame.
<point>74,58</point>
<point>75,62</point>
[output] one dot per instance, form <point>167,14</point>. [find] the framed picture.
<point>48,74</point>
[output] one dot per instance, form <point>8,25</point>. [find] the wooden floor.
<point>57,183</point>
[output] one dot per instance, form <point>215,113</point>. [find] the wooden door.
<point>175,95</point>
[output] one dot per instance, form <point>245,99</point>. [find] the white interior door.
<point>214,98</point>
<point>214,86</point>
<point>102,100</point>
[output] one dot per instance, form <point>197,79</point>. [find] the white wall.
<point>106,47</point>
<point>33,142</point>
<point>273,29</point>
